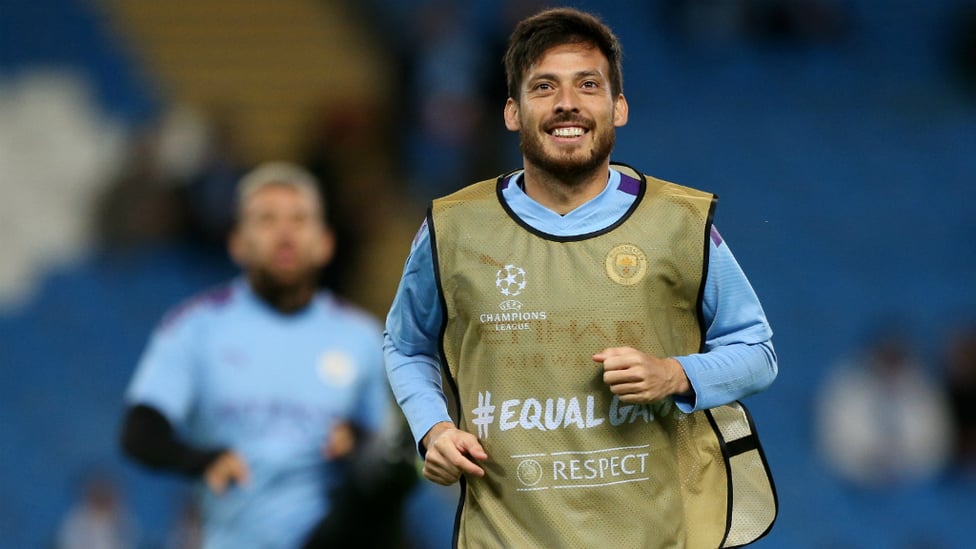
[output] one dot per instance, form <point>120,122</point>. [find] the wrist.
<point>680,385</point>
<point>435,431</point>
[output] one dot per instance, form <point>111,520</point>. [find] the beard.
<point>285,292</point>
<point>570,167</point>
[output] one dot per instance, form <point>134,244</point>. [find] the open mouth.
<point>568,131</point>
<point>285,255</point>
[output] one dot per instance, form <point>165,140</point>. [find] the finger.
<point>619,363</point>
<point>469,467</point>
<point>457,462</point>
<point>217,481</point>
<point>610,352</point>
<point>474,449</point>
<point>616,376</point>
<point>241,472</point>
<point>439,476</point>
<point>617,358</point>
<point>455,466</point>
<point>454,453</point>
<point>439,469</point>
<point>634,398</point>
<point>624,387</point>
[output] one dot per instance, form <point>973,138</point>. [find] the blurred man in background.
<point>262,388</point>
<point>882,419</point>
<point>100,519</point>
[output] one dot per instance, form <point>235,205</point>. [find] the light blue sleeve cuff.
<point>726,374</point>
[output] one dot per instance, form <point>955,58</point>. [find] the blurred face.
<point>280,238</point>
<point>566,114</point>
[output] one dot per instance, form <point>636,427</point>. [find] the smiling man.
<point>593,327</point>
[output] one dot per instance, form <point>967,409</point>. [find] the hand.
<point>450,453</point>
<point>341,441</point>
<point>639,378</point>
<point>229,468</point>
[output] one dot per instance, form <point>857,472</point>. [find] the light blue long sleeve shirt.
<point>739,359</point>
<point>228,371</point>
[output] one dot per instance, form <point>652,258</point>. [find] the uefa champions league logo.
<point>510,280</point>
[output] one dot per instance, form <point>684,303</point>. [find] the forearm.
<point>148,438</point>
<point>738,358</point>
<point>727,373</point>
<point>416,384</point>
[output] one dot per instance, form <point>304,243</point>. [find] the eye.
<point>591,84</point>
<point>543,86</point>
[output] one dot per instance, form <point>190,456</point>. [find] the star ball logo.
<point>510,280</point>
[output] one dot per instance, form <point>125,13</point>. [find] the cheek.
<point>259,243</point>
<point>314,244</point>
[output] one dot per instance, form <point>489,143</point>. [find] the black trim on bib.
<point>742,445</point>
<point>706,253</point>
<point>499,187</point>
<point>444,366</point>
<point>443,305</point>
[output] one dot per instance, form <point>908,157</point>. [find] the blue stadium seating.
<point>846,190</point>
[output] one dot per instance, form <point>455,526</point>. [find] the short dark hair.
<point>535,35</point>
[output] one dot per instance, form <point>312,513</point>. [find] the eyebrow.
<point>589,73</point>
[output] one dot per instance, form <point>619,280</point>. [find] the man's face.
<point>280,236</point>
<point>567,116</point>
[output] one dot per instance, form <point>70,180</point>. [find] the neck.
<point>564,193</point>
<point>285,298</point>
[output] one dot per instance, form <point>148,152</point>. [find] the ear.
<point>511,115</point>
<point>326,248</point>
<point>620,111</point>
<point>236,247</point>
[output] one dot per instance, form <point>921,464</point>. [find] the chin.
<point>287,278</point>
<point>570,167</point>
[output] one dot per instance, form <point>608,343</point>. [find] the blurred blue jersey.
<point>227,370</point>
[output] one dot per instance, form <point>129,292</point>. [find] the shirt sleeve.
<point>739,359</point>
<point>164,378</point>
<point>148,438</point>
<point>411,341</point>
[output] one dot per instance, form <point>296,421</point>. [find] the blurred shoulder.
<point>199,306</point>
<point>350,314</point>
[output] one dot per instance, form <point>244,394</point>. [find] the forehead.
<point>570,58</point>
<point>271,195</point>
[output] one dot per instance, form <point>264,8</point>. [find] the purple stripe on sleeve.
<point>629,185</point>
<point>716,238</point>
<point>217,297</point>
<point>420,232</point>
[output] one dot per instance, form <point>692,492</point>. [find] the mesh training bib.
<point>569,464</point>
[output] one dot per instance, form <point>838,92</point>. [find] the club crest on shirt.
<point>626,264</point>
<point>335,368</point>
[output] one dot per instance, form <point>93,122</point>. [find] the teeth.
<point>567,132</point>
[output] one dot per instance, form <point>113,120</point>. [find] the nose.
<point>566,100</point>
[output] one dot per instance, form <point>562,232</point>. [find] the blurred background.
<point>840,136</point>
